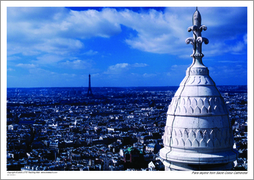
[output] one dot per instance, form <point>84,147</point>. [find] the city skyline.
<point>121,46</point>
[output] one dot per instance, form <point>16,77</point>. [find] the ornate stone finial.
<point>197,39</point>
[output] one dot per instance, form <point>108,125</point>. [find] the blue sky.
<point>121,46</point>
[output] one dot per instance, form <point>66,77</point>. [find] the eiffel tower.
<point>89,92</point>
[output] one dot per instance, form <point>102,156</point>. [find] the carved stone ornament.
<point>197,39</point>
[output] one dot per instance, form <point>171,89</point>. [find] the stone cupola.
<point>198,132</point>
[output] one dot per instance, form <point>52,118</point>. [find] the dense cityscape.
<point>111,129</point>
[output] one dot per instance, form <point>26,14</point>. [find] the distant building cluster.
<point>237,105</point>
<point>116,129</point>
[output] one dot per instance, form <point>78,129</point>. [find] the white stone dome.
<point>198,132</point>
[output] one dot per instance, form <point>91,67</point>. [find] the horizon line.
<point>111,86</point>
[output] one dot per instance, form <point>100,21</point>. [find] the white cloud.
<point>77,64</point>
<point>51,30</point>
<point>11,58</point>
<point>219,48</point>
<point>119,66</point>
<point>166,32</point>
<point>238,47</point>
<point>57,32</point>
<point>117,69</point>
<point>32,31</point>
<point>123,67</point>
<point>157,32</point>
<point>140,65</point>
<point>148,75</point>
<point>59,46</point>
<point>245,39</point>
<point>237,70</point>
<point>93,23</point>
<point>26,65</point>
<point>38,72</point>
<point>90,52</point>
<point>10,69</point>
<point>48,59</point>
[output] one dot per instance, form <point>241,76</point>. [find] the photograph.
<point>126,90</point>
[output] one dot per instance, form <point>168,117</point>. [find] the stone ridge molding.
<point>198,138</point>
<point>198,106</point>
<point>199,71</point>
<point>199,80</point>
